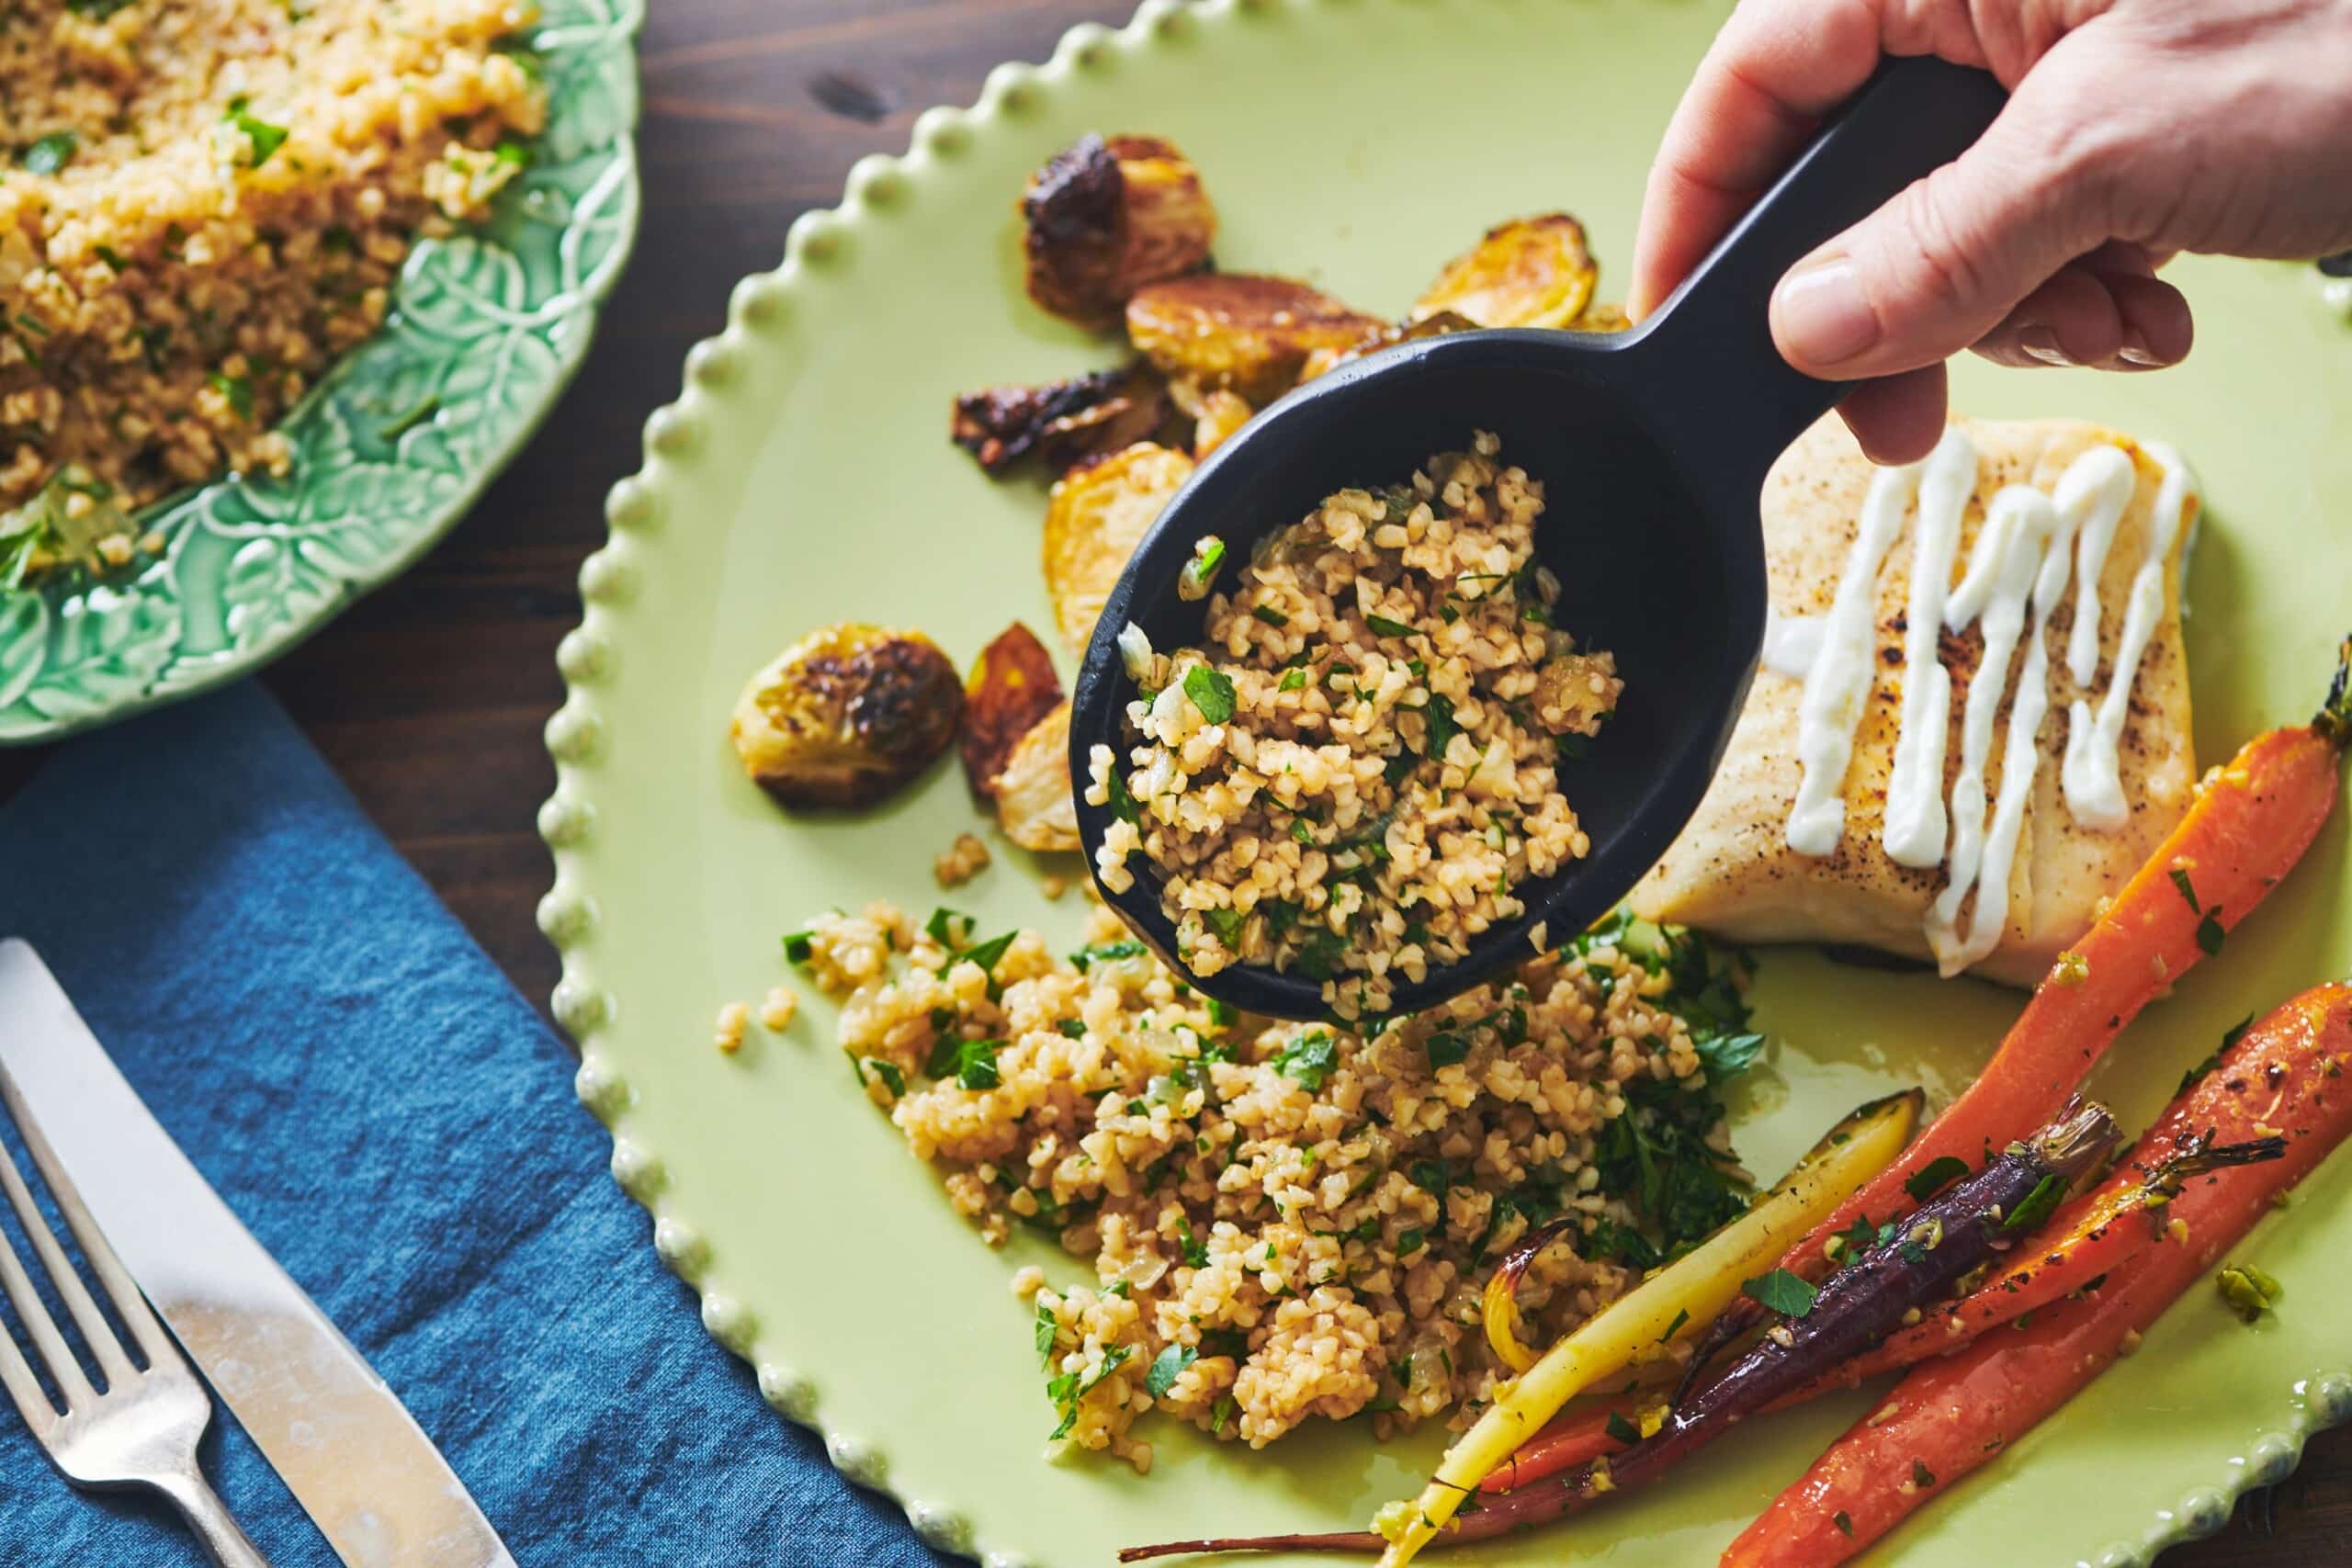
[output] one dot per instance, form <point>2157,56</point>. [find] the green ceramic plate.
<point>803,476</point>
<point>389,449</point>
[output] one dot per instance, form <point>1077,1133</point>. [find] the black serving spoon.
<point>1653,446</point>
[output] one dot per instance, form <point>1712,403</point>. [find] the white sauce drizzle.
<point>2029,547</point>
<point>1839,679</point>
<point>2023,548</point>
<point>1916,823</point>
<point>2093,770</point>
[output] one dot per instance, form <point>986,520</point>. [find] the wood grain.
<point>429,696</point>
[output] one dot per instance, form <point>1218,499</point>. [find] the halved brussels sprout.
<point>846,714</point>
<point>1530,272</point>
<point>1106,217</point>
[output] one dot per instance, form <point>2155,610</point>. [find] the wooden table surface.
<point>429,696</point>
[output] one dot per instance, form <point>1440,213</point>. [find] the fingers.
<point>1776,68</point>
<point>1898,419</point>
<point>2114,318</point>
<point>1946,263</point>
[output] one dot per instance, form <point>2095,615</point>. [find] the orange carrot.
<point>2250,823</point>
<point>1567,1441</point>
<point>1952,1414</point>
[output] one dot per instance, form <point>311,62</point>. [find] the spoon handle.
<point>1708,354</point>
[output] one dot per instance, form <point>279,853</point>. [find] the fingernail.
<point>2042,345</point>
<point>1822,315</point>
<point>2135,350</point>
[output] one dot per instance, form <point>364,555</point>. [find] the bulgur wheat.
<point>217,202</point>
<point>1353,777</point>
<point>1286,1222</point>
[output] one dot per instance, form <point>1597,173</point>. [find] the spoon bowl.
<point>1652,445</point>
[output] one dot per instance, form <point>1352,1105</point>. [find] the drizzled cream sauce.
<point>2017,573</point>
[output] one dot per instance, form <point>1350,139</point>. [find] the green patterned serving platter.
<point>388,450</point>
<point>803,476</point>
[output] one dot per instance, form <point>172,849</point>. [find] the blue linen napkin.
<point>393,1121</point>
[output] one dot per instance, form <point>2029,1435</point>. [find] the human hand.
<point>2135,130</point>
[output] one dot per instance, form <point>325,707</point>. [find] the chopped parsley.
<point>1166,1367</point>
<point>1921,1476</point>
<point>892,1078</point>
<point>1292,681</point>
<point>1225,926</point>
<point>1211,693</point>
<point>1308,1059</point>
<point>987,953</point>
<point>798,946</point>
<point>1446,1048</point>
<point>51,153</point>
<point>1123,803</point>
<point>1408,1242</point>
<point>2209,932</point>
<point>1067,1390</point>
<point>1438,714</point>
<point>2036,1206</point>
<point>1195,1255</point>
<point>1844,1521</point>
<point>1269,614</point>
<point>237,391</point>
<point>1387,627</point>
<point>1047,1328</point>
<point>976,1063</point>
<point>262,137</point>
<point>1105,953</point>
<point>1682,1316</point>
<point>2229,1038</point>
<point>1934,1177</point>
<point>1221,1015</point>
<point>2188,891</point>
<point>1621,1430</point>
<point>1782,1291</point>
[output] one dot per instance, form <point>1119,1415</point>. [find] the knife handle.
<point>210,1519</point>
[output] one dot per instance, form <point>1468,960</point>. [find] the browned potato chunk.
<point>1217,415</point>
<point>847,715</point>
<point>1248,335</point>
<point>1011,685</point>
<point>1106,218</point>
<point>1094,519</point>
<point>1033,802</point>
<point>1063,422</point>
<point>1530,272</point>
<point>1437,325</point>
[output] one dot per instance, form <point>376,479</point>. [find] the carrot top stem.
<point>2333,721</point>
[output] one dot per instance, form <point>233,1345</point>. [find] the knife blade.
<point>344,1444</point>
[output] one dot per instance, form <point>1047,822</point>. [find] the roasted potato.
<point>1033,802</point>
<point>1217,415</point>
<point>1105,218</point>
<point>847,715</point>
<point>1011,685</point>
<point>1602,319</point>
<point>1063,422</point>
<point>1248,335</point>
<point>1530,272</point>
<point>1437,325</point>
<point>1094,519</point>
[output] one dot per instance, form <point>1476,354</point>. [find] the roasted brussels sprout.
<point>1033,803</point>
<point>1530,272</point>
<point>1094,519</point>
<point>1063,422</point>
<point>1011,686</point>
<point>1106,217</point>
<point>846,714</point>
<point>1247,334</point>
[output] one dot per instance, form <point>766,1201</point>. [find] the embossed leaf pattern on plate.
<point>389,449</point>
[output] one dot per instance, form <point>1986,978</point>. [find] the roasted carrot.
<point>2284,1077</point>
<point>2093,1235</point>
<point>2251,822</point>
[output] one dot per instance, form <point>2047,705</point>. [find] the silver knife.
<point>349,1451</point>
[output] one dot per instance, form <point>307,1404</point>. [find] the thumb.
<point>1945,261</point>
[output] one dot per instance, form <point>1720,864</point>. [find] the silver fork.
<point>143,1429</point>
